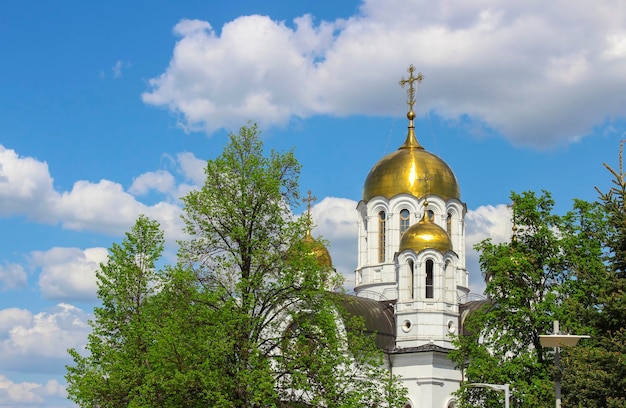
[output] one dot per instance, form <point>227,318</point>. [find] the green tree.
<point>286,340</point>
<point>530,281</point>
<point>246,317</point>
<point>118,365</point>
<point>595,374</point>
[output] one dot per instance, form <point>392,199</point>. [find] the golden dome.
<point>411,170</point>
<point>318,250</point>
<point>425,234</point>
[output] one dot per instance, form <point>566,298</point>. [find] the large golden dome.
<point>411,170</point>
<point>425,234</point>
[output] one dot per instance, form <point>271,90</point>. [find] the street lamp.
<point>555,341</point>
<point>495,387</point>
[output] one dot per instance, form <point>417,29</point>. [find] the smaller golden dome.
<point>425,234</point>
<point>318,250</point>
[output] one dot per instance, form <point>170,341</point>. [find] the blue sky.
<point>109,110</point>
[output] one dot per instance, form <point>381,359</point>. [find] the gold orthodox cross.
<point>410,81</point>
<point>308,200</point>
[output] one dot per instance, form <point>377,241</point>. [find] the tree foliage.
<point>570,268</point>
<point>118,365</point>
<point>596,370</point>
<point>285,343</point>
<point>530,282</point>
<point>246,317</point>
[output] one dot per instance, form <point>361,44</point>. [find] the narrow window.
<point>430,214</point>
<point>411,279</point>
<point>404,221</point>
<point>449,224</point>
<point>429,279</point>
<point>381,236</point>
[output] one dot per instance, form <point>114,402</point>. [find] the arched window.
<point>449,224</point>
<point>404,221</point>
<point>411,279</point>
<point>430,214</point>
<point>430,287</point>
<point>381,236</point>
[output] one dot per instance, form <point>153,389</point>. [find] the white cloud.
<point>69,273</point>
<point>484,222</point>
<point>38,342</point>
<point>160,180</point>
<point>26,188</point>
<point>335,220</point>
<point>12,276</point>
<point>192,167</point>
<point>25,184</point>
<point>540,73</point>
<point>26,394</point>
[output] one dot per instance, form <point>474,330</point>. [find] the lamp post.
<point>555,341</point>
<point>495,387</point>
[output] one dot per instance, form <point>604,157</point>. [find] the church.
<point>411,281</point>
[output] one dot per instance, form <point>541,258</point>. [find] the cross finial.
<point>427,179</point>
<point>308,200</point>
<point>411,92</point>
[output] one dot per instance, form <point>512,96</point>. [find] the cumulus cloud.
<point>105,206</point>
<point>38,342</point>
<point>69,274</point>
<point>540,74</point>
<point>160,180</point>
<point>192,167</point>
<point>488,221</point>
<point>26,188</point>
<point>25,183</point>
<point>335,220</point>
<point>12,276</point>
<point>26,394</point>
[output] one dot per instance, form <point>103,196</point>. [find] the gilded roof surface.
<point>411,170</point>
<point>425,234</point>
<point>318,250</point>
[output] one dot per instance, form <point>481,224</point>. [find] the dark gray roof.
<point>421,349</point>
<point>465,309</point>
<point>377,316</point>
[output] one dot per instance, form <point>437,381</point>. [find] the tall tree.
<point>117,365</point>
<point>245,319</point>
<point>530,281</point>
<point>286,339</point>
<point>595,374</point>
